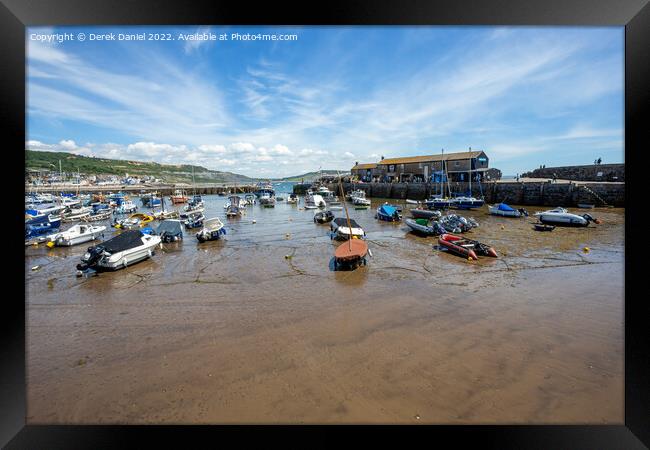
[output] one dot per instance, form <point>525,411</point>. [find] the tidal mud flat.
<point>257,328</point>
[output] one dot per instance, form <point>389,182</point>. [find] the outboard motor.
<point>94,254</point>
<point>523,212</point>
<point>588,218</point>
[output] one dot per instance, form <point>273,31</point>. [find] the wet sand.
<point>233,332</point>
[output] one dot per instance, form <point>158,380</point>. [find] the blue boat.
<point>467,203</point>
<point>40,228</point>
<point>438,203</point>
<point>388,213</point>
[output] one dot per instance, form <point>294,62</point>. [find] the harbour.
<point>259,327</point>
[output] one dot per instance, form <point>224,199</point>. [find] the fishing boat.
<point>195,202</point>
<point>264,189</point>
<point>212,230</point>
<point>97,216</point>
<point>234,207</point>
<point>194,220</point>
<point>137,220</point>
<point>468,248</point>
<point>293,198</point>
<point>388,213</point>
<point>77,234</point>
<point>341,229</point>
<point>543,227</point>
<point>453,223</point>
<point>425,227</point>
<point>501,209</point>
<point>323,216</point>
<point>355,193</point>
<point>170,230</point>
<point>425,213</point>
<point>125,207</point>
<point>561,217</point>
<point>119,252</point>
<point>267,200</point>
<point>179,196</point>
<point>42,227</point>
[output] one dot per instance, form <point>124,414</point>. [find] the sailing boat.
<point>162,214</point>
<point>440,201</point>
<point>468,202</point>
<point>352,253</point>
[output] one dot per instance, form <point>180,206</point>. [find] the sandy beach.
<point>234,332</point>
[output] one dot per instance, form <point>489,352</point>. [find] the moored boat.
<point>42,227</point>
<point>467,203</point>
<point>561,217</point>
<point>468,248</point>
<point>341,230</point>
<point>234,206</point>
<point>425,213</point>
<point>137,220</point>
<point>194,220</point>
<point>178,196</point>
<point>119,252</point>
<point>501,209</point>
<point>212,230</point>
<point>293,198</point>
<point>425,227</point>
<point>170,230</point>
<point>323,217</point>
<point>77,234</point>
<point>388,213</point>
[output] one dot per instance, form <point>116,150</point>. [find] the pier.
<point>162,189</point>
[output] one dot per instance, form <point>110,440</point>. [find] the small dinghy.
<point>341,230</point>
<point>119,252</point>
<point>323,217</point>
<point>77,234</point>
<point>425,227</point>
<point>412,202</point>
<point>212,230</point>
<point>468,248</point>
<point>170,230</point>
<point>561,217</point>
<point>388,213</point>
<point>425,214</point>
<point>542,227</point>
<point>504,210</point>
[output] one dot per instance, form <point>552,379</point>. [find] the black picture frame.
<point>15,15</point>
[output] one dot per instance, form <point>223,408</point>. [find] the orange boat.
<point>178,197</point>
<point>465,247</point>
<point>351,253</point>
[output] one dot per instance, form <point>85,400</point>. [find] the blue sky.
<point>525,95</point>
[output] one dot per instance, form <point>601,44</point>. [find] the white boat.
<point>355,193</point>
<point>250,199</point>
<point>119,252</point>
<point>342,231</point>
<point>412,202</point>
<point>212,230</point>
<point>77,234</point>
<point>293,198</point>
<point>315,200</point>
<point>361,201</point>
<point>127,207</point>
<point>267,200</point>
<point>501,209</point>
<point>77,213</point>
<point>562,217</point>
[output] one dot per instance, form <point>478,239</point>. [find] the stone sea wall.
<point>593,172</point>
<point>516,193</point>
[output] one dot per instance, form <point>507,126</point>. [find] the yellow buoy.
<point>50,244</point>
<point>586,249</point>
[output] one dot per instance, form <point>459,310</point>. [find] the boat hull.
<point>424,214</point>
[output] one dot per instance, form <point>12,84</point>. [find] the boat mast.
<point>347,216</point>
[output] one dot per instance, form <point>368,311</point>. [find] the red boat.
<point>351,253</point>
<point>465,247</point>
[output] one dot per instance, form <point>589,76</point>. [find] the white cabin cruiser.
<point>314,201</point>
<point>561,217</point>
<point>119,252</point>
<point>77,234</point>
<point>212,230</point>
<point>341,230</point>
<point>127,207</point>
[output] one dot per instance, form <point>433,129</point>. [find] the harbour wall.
<point>161,189</point>
<point>593,172</point>
<point>516,193</point>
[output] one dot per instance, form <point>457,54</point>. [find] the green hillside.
<point>98,166</point>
